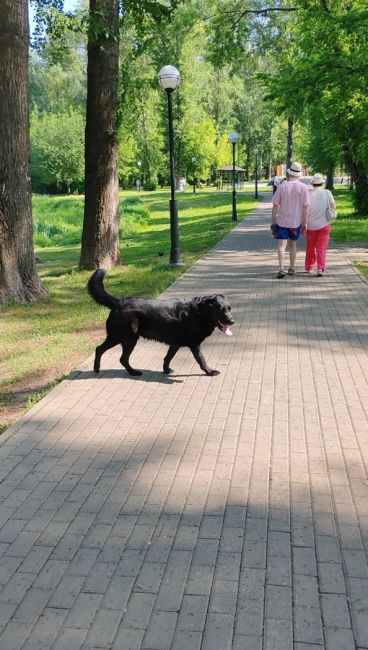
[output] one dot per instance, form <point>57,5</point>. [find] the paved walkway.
<point>197,513</point>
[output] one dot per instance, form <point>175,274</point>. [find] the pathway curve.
<point>197,513</point>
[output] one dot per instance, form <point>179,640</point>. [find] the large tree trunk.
<point>100,237</point>
<point>19,280</point>
<point>359,180</point>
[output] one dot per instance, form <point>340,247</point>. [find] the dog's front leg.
<point>170,355</point>
<point>197,353</point>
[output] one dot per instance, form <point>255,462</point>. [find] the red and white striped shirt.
<point>291,197</point>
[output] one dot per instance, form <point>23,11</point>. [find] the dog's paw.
<point>96,369</point>
<point>213,373</point>
<point>135,373</point>
<point>168,371</point>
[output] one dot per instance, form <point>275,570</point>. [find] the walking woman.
<point>319,228</point>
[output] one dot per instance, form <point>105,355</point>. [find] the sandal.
<point>291,271</point>
<point>280,275</point>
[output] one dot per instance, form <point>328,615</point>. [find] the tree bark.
<point>100,236</point>
<point>19,280</point>
<point>359,180</point>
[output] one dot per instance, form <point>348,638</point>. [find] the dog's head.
<point>219,312</point>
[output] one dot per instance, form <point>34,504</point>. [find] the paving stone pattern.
<point>202,513</point>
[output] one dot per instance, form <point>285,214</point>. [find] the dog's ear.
<point>212,299</point>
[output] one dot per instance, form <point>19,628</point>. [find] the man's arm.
<point>275,209</point>
<point>305,215</point>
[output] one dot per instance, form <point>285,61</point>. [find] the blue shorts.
<point>287,233</point>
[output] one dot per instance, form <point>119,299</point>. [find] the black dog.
<point>179,323</point>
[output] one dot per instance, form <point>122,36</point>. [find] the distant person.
<point>289,216</point>
<point>275,184</point>
<point>342,180</point>
<point>319,227</point>
<point>138,185</point>
<point>181,185</point>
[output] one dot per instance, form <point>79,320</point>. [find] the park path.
<point>196,513</point>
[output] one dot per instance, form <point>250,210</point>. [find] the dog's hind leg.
<point>170,355</point>
<point>128,345</point>
<point>110,342</point>
<point>197,353</point>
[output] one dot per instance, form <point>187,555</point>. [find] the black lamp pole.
<point>234,214</point>
<point>194,160</point>
<point>256,174</point>
<point>175,258</point>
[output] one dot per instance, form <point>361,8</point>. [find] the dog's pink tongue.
<point>226,330</point>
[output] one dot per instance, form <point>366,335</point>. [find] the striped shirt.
<point>290,197</point>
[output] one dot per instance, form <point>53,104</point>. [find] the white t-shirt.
<point>318,206</point>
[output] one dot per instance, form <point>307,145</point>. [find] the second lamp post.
<point>233,139</point>
<point>169,80</point>
<point>256,172</point>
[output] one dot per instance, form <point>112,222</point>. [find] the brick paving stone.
<point>197,513</point>
<point>278,635</point>
<point>247,643</point>
<point>339,639</point>
<point>218,632</point>
<point>160,630</point>
<point>70,638</point>
<point>103,628</point>
<point>185,640</point>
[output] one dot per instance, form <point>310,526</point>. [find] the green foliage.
<point>57,150</point>
<point>246,66</point>
<point>150,186</point>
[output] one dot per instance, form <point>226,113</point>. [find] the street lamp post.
<point>233,139</point>
<point>139,177</point>
<point>169,80</point>
<point>256,172</point>
<point>194,160</point>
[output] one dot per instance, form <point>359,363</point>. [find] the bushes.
<point>150,186</point>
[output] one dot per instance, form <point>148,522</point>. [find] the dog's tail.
<point>97,290</point>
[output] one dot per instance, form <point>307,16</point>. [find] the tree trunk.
<point>359,180</point>
<point>330,177</point>
<point>19,280</point>
<point>100,237</point>
<point>289,144</point>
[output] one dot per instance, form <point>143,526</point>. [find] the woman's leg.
<point>322,239</point>
<point>310,253</point>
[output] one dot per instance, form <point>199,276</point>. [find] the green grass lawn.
<point>45,340</point>
<point>349,226</point>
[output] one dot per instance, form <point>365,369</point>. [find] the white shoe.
<point>320,272</point>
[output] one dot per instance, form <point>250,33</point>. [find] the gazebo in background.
<point>225,177</point>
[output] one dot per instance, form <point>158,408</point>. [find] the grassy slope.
<point>45,340</point>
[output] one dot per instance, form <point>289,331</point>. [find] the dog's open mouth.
<point>225,329</point>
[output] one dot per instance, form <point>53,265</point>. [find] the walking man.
<point>289,215</point>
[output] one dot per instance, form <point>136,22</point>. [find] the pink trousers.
<point>317,241</point>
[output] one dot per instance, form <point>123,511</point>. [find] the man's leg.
<point>292,252</point>
<point>281,252</point>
